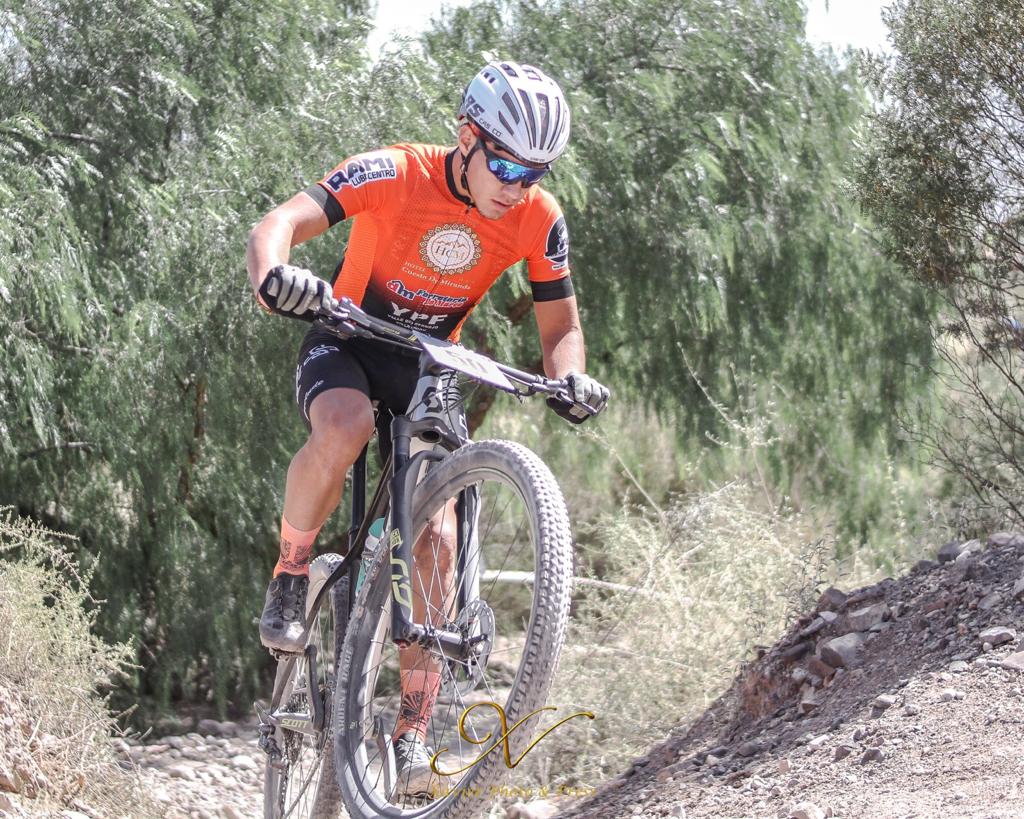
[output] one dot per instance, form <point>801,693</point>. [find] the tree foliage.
<point>143,395</point>
<point>944,176</point>
<point>146,404</point>
<point>714,238</point>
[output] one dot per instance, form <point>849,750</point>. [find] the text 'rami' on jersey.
<point>359,170</point>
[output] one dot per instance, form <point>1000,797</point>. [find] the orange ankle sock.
<point>419,693</point>
<point>296,547</point>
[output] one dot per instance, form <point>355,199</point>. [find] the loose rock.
<point>948,551</point>
<point>864,618</point>
<point>806,810</point>
<point>819,668</point>
<point>997,635</point>
<point>883,702</point>
<point>872,755</point>
<point>538,809</point>
<point>749,748</point>
<point>1015,662</point>
<point>831,598</point>
<point>843,751</point>
<point>1013,540</point>
<point>181,772</point>
<point>244,763</point>
<point>843,652</point>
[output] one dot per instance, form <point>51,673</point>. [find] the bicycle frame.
<point>428,420</point>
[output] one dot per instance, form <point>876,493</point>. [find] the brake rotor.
<point>475,622</point>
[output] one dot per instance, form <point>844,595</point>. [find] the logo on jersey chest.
<point>450,249</point>
<point>427,299</point>
<point>410,318</point>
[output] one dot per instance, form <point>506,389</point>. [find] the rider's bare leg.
<point>342,423</point>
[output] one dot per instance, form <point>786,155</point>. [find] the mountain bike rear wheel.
<point>493,560</point>
<point>300,781</point>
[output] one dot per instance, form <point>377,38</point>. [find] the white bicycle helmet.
<point>519,107</point>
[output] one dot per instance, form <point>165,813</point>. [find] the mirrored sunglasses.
<point>510,172</point>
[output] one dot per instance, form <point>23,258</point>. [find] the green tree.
<point>943,176</point>
<point>713,236</point>
<point>139,384</point>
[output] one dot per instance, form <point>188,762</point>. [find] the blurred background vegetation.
<point>766,277</point>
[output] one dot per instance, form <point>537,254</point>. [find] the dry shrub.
<point>55,727</point>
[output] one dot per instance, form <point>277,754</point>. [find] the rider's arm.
<point>561,338</point>
<point>297,220</point>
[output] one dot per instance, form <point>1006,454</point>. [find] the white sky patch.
<point>405,19</point>
<point>848,23</point>
<point>839,23</point>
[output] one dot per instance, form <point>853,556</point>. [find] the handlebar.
<point>346,319</point>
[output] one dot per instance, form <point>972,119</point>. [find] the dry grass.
<point>710,576</point>
<point>55,728</point>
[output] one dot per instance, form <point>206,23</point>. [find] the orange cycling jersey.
<point>418,254</point>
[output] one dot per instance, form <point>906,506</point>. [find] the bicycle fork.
<point>431,424</point>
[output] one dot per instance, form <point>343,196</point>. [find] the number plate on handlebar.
<point>476,366</point>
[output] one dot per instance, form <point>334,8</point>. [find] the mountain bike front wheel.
<point>299,779</point>
<point>493,561</point>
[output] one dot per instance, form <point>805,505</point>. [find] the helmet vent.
<point>509,70</point>
<point>510,105</point>
<point>558,124</point>
<point>531,121</point>
<point>542,104</point>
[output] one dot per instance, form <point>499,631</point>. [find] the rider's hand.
<point>292,291</point>
<point>588,397</point>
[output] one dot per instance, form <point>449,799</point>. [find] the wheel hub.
<point>476,624</point>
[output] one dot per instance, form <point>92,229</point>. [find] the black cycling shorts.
<point>380,372</point>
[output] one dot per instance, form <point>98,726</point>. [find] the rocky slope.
<point>903,699</point>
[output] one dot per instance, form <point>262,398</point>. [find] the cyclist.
<point>433,229</point>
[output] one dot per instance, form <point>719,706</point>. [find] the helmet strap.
<point>464,180</point>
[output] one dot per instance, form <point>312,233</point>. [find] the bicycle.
<point>482,606</point>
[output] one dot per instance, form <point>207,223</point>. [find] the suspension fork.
<point>406,469</point>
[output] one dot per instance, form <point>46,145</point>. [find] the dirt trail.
<point>903,699</point>
<point>215,772</point>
